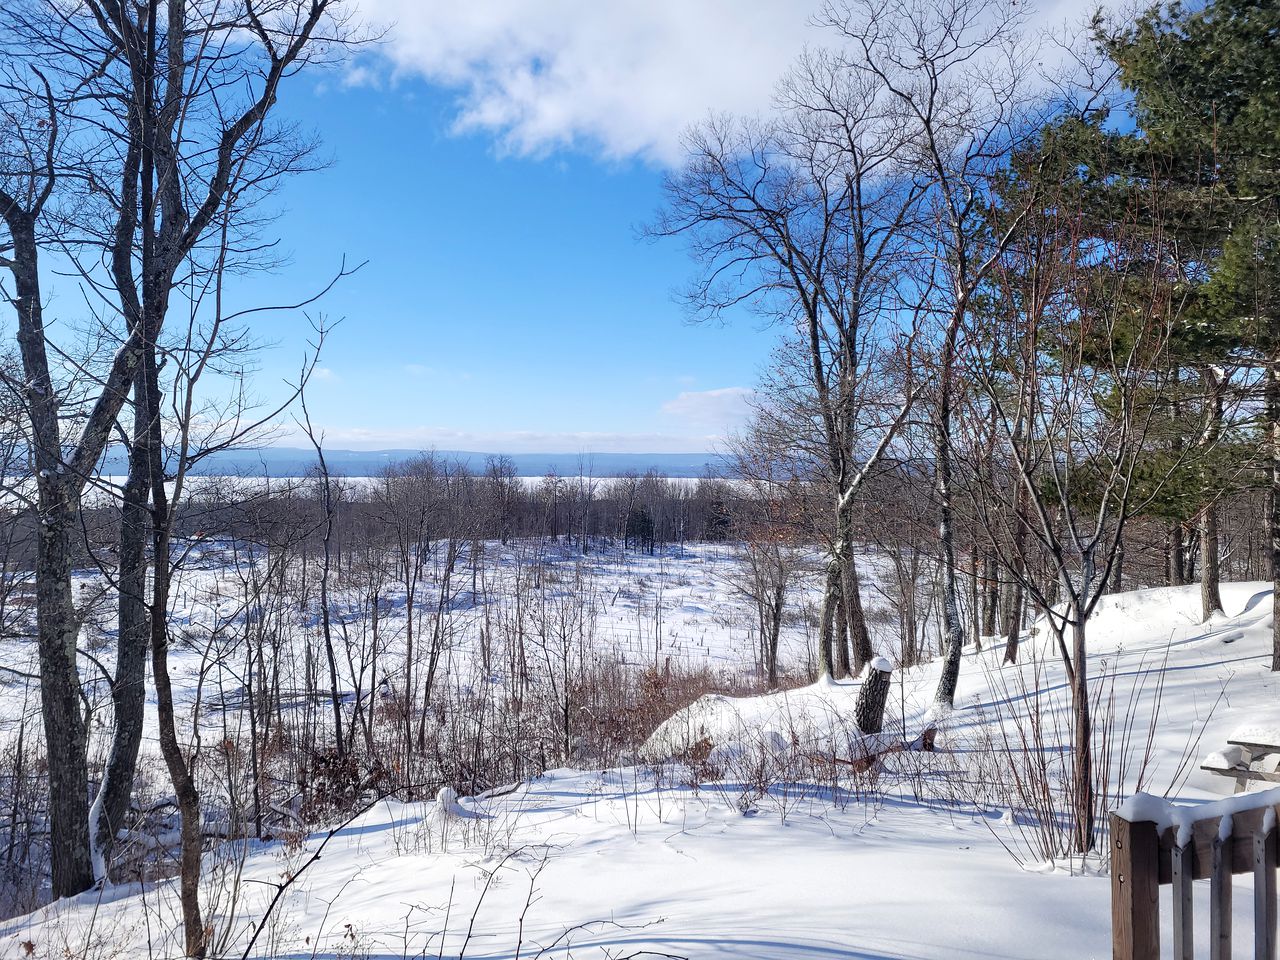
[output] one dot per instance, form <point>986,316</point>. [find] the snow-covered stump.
<point>868,712</point>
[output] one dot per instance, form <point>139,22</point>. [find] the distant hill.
<point>297,462</point>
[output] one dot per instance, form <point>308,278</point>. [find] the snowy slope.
<point>1198,683</point>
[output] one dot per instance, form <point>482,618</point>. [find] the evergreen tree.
<point>1206,94</point>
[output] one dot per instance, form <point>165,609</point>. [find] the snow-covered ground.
<point>613,866</point>
<point>911,862</point>
<point>681,607</point>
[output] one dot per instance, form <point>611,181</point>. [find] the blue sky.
<point>504,294</point>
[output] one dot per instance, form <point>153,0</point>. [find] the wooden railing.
<point>1155,844</point>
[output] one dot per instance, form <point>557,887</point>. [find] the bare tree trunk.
<point>975,598</point>
<point>1273,418</point>
<point>57,627</point>
<point>1016,600</point>
<point>1082,735</point>
<point>60,704</point>
<point>775,633</point>
<point>859,635</point>
<point>128,688</point>
<point>953,624</point>
<point>990,594</point>
<point>438,638</point>
<point>1117,569</point>
<point>191,839</point>
<point>1210,571</point>
<point>841,640</point>
<point>256,734</point>
<point>327,560</point>
<point>830,600</point>
<point>335,697</point>
<point>180,767</point>
<point>1177,555</point>
<point>1176,539</point>
<point>911,638</point>
<point>1013,620</point>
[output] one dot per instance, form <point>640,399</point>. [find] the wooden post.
<point>1135,890</point>
<point>1220,899</point>
<point>1264,894</point>
<point>1183,865</point>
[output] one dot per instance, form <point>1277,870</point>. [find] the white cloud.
<point>720,410</point>
<point>622,77</point>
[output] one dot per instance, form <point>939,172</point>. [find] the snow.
<point>675,870</point>
<point>808,720</point>
<point>447,802</point>
<point>1226,759</point>
<point>726,852</point>
<point>1142,807</point>
<point>1263,731</point>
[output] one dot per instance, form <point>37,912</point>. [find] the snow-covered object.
<point>1223,759</point>
<point>1144,808</point>
<point>447,802</point>
<point>818,718</point>
<point>815,718</point>
<point>730,755</point>
<point>1258,731</point>
<point>882,665</point>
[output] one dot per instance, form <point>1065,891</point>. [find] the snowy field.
<point>681,606</point>
<point>924,858</point>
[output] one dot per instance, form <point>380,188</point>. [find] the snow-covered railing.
<point>1156,843</point>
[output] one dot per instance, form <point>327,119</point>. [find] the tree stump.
<point>868,712</point>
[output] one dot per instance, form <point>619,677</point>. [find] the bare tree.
<point>64,449</point>
<point>168,107</point>
<point>772,553</point>
<point>959,74</point>
<point>806,220</point>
